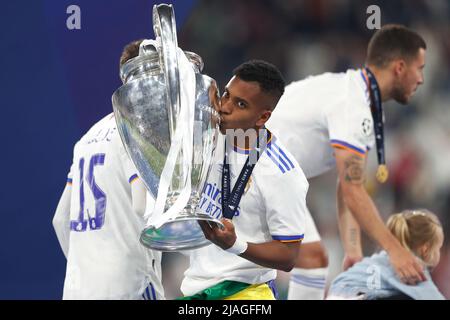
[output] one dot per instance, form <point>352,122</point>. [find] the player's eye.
<point>241,104</point>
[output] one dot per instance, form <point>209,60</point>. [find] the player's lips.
<point>222,119</point>
<point>222,122</point>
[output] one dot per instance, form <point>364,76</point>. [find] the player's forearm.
<point>61,235</point>
<point>61,220</point>
<point>349,229</point>
<point>138,196</point>
<point>274,254</point>
<point>366,214</point>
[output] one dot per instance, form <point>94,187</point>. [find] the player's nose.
<point>225,106</point>
<point>421,79</point>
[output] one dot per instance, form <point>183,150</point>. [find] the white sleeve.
<point>138,189</point>
<point>350,125</point>
<point>138,196</point>
<point>61,219</point>
<point>285,203</point>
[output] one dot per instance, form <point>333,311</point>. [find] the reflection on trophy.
<point>166,113</point>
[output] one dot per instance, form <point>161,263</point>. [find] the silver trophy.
<point>166,114</point>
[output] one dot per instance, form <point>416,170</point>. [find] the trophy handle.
<point>164,26</point>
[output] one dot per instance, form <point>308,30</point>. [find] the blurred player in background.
<point>331,120</point>
<point>100,216</point>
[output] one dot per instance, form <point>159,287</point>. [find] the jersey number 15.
<point>96,221</point>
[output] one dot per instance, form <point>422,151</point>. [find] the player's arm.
<point>351,168</point>
<point>274,254</point>
<point>285,217</point>
<point>61,219</point>
<point>138,195</point>
<point>350,232</point>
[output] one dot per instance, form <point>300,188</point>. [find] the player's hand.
<point>407,267</point>
<point>350,260</point>
<point>224,238</point>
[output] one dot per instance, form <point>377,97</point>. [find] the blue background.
<point>55,84</point>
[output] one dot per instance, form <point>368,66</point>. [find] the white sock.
<point>307,284</point>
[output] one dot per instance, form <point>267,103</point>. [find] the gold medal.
<point>382,173</point>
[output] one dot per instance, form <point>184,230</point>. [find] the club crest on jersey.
<point>367,126</point>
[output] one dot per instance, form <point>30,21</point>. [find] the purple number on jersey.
<point>99,195</point>
<point>98,220</point>
<point>80,224</point>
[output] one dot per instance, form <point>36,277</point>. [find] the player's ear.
<point>399,66</point>
<point>263,118</point>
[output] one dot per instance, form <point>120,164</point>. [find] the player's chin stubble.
<point>399,95</point>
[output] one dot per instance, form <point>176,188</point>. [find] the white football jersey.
<point>105,259</point>
<point>272,208</point>
<point>321,112</point>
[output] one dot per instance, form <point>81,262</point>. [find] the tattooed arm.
<point>351,183</point>
<point>350,232</point>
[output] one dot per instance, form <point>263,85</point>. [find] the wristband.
<point>238,247</point>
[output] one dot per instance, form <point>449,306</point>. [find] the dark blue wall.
<point>55,83</point>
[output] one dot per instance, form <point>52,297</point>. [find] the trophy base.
<point>181,233</point>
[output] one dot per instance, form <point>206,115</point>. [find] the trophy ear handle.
<point>148,46</point>
<point>165,28</point>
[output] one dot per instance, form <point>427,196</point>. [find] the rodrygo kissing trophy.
<point>167,119</point>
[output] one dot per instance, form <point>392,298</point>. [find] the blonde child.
<point>374,278</point>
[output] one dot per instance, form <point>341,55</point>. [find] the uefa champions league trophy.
<point>167,119</point>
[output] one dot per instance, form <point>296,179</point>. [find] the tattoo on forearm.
<point>354,170</point>
<point>353,236</point>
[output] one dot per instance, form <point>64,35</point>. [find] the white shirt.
<point>105,259</point>
<point>273,208</point>
<point>315,114</point>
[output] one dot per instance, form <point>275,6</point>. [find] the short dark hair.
<point>392,42</point>
<point>265,74</point>
<point>130,51</point>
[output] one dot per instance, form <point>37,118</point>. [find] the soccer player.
<point>258,190</point>
<point>100,216</point>
<point>331,120</point>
